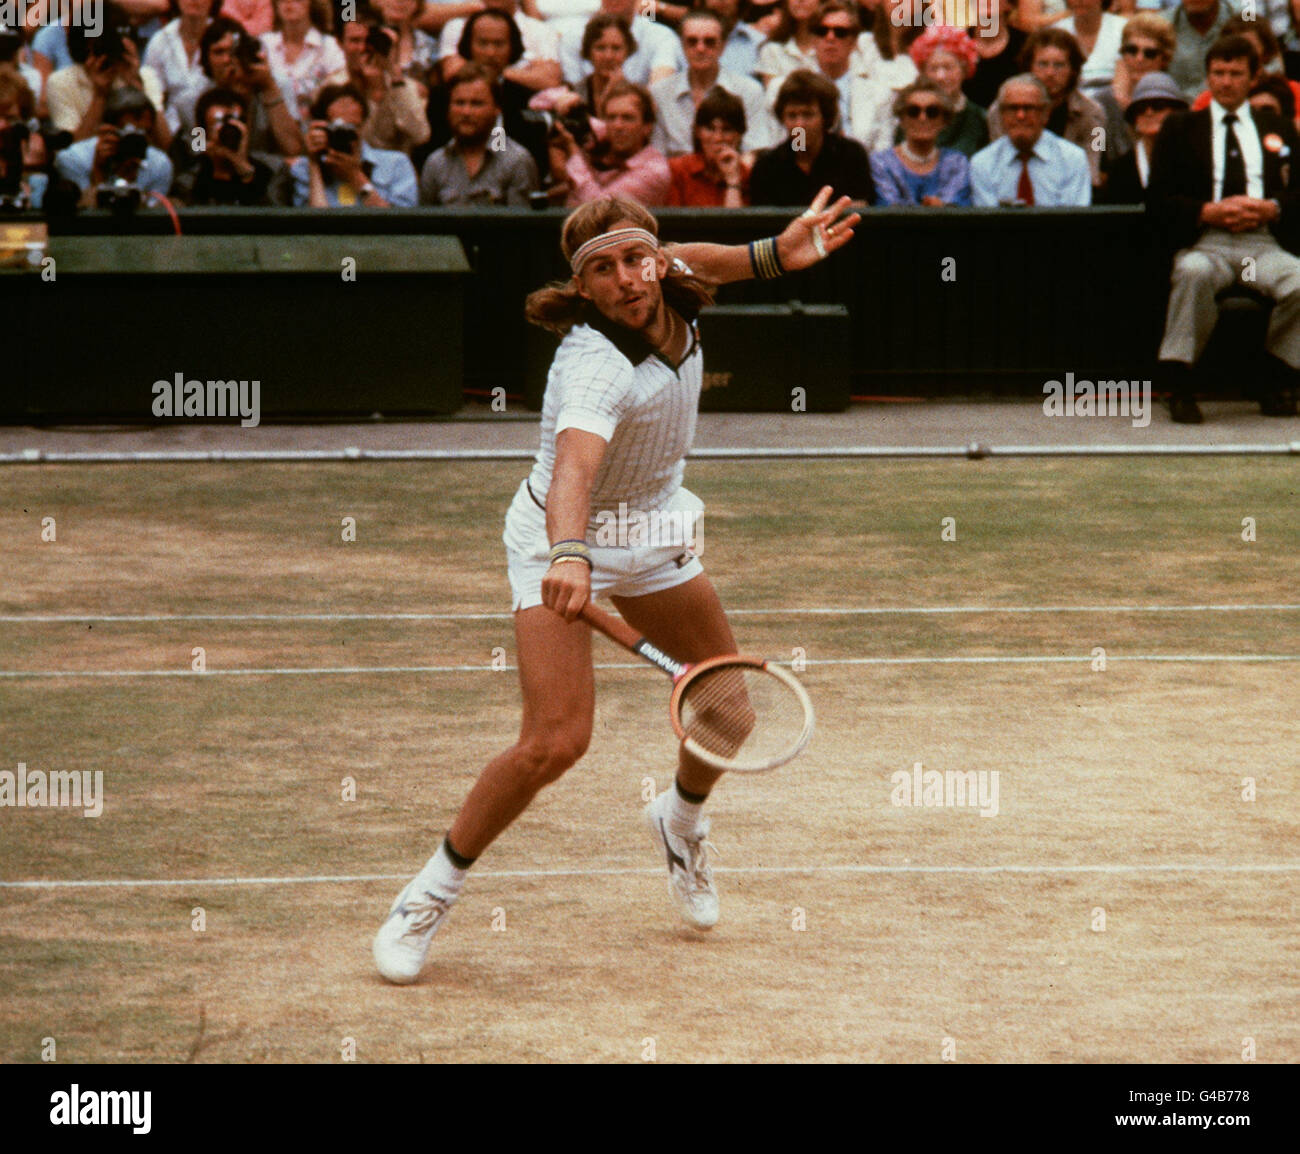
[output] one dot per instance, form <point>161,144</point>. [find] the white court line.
<point>354,670</point>
<point>813,611</point>
<point>972,449</point>
<point>320,879</point>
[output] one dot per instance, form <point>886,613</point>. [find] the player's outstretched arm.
<point>810,237</point>
<point>567,583</point>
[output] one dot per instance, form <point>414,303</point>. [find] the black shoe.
<point>1278,405</point>
<point>1183,410</point>
<point>1175,378</point>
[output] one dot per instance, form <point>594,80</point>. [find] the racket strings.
<point>742,713</point>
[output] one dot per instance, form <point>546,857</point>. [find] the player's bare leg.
<point>688,623</point>
<point>559,702</point>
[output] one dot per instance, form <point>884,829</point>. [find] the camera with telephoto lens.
<point>111,42</point>
<point>577,122</point>
<point>341,136</point>
<point>132,144</point>
<point>246,49</point>
<point>230,134</point>
<point>379,41</point>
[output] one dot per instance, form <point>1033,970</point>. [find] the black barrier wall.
<point>314,326</point>
<point>961,301</point>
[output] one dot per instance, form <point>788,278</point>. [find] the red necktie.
<point>1025,189</point>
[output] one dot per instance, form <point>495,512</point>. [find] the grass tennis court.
<point>922,924</point>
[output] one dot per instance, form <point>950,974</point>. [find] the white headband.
<point>609,240</point>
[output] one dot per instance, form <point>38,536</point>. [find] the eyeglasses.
<point>929,111</point>
<point>836,30</point>
<point>1138,50</point>
<point>700,41</point>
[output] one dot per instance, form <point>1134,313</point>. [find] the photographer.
<point>466,171</point>
<point>340,169</point>
<point>23,176</point>
<point>119,150</point>
<point>77,95</point>
<point>416,50</point>
<point>397,119</point>
<point>234,59</point>
<point>224,173</point>
<point>48,28</point>
<point>624,164</point>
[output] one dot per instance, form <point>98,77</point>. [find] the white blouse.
<point>1099,68</point>
<point>182,75</point>
<point>319,59</point>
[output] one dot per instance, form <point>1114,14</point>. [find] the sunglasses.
<point>1145,53</point>
<point>1159,106</point>
<point>836,30</point>
<point>929,111</point>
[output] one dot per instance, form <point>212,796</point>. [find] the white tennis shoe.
<point>403,941</point>
<point>690,877</point>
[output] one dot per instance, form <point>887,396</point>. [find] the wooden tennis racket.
<point>741,714</point>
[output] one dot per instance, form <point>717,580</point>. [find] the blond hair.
<point>558,306</point>
<point>1150,26</point>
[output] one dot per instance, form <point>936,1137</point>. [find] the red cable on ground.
<point>167,204</point>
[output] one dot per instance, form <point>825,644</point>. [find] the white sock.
<point>441,875</point>
<point>682,816</point>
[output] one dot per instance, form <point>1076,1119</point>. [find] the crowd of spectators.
<point>331,103</point>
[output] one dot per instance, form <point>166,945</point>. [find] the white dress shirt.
<point>1143,162</point>
<point>1252,152</point>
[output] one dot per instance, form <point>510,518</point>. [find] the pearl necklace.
<point>920,161</point>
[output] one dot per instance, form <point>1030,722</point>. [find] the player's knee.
<point>547,755</point>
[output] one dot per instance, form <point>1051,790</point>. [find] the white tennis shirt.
<point>608,381</point>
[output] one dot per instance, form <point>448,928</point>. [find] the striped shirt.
<point>606,380</point>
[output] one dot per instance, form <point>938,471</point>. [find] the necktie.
<point>1234,164</point>
<point>1025,189</point>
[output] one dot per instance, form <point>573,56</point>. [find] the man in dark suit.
<point>1221,192</point>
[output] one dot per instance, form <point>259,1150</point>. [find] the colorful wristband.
<point>764,260</point>
<point>571,550</point>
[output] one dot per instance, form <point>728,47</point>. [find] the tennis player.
<point>617,421</point>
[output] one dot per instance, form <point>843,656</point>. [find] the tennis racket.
<point>733,713</point>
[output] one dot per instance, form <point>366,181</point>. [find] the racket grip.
<point>615,628</point>
<point>621,633</point>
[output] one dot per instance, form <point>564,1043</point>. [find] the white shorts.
<point>631,571</point>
